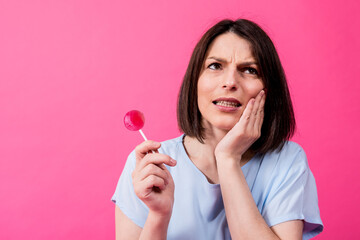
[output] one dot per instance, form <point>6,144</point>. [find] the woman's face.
<point>228,80</point>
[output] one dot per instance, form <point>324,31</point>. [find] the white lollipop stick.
<point>143,135</point>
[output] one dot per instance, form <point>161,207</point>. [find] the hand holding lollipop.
<point>152,181</point>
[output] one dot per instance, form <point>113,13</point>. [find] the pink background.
<point>71,69</point>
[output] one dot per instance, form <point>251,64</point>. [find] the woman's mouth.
<point>227,104</point>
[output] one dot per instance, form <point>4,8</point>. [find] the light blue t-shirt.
<point>281,184</point>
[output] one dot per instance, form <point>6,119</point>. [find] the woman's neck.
<point>211,139</point>
<point>203,154</point>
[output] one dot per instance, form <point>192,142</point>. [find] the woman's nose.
<point>230,80</point>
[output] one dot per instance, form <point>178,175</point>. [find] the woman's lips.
<point>227,104</point>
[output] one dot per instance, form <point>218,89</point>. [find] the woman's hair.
<point>279,120</point>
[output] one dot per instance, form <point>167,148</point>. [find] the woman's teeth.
<point>227,104</point>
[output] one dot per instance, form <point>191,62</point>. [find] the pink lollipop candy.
<point>134,121</point>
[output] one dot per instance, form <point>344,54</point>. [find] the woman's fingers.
<point>250,122</point>
<point>145,187</point>
<point>255,110</point>
<point>151,172</point>
<point>260,114</point>
<point>146,147</point>
<point>155,170</point>
<point>154,181</point>
<point>246,115</point>
<point>169,178</point>
<point>150,166</point>
<point>157,159</point>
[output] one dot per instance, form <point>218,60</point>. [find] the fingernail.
<point>262,92</point>
<point>172,161</point>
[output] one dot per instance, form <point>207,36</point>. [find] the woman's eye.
<point>251,70</point>
<point>214,66</point>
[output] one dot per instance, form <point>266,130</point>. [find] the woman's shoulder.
<point>172,141</point>
<point>290,156</point>
<point>171,145</point>
<point>281,170</point>
<point>285,189</point>
<point>288,149</point>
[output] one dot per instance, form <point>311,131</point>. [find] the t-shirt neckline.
<point>199,173</point>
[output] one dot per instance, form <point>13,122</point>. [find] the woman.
<point>236,174</point>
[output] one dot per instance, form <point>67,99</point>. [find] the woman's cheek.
<point>253,90</point>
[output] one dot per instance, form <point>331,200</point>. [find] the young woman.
<point>233,174</point>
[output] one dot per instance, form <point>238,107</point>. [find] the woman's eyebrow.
<point>241,64</point>
<point>247,64</point>
<point>217,59</point>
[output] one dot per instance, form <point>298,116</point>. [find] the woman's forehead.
<point>230,47</point>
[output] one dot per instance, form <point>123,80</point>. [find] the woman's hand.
<point>245,132</point>
<point>152,181</point>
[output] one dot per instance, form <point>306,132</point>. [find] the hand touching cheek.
<point>245,132</point>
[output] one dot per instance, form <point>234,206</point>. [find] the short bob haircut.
<point>279,121</point>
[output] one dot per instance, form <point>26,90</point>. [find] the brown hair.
<point>279,121</point>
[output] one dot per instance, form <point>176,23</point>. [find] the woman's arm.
<point>125,229</point>
<point>154,186</point>
<point>242,214</point>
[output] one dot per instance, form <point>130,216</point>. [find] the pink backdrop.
<point>71,69</point>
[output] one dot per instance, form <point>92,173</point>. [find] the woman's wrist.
<point>227,161</point>
<point>156,226</point>
<point>157,218</point>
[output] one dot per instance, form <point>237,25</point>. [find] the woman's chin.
<point>221,125</point>
<point>224,126</point>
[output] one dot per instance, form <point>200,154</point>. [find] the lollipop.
<point>134,121</point>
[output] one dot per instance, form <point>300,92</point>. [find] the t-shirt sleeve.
<point>293,194</point>
<point>125,197</point>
